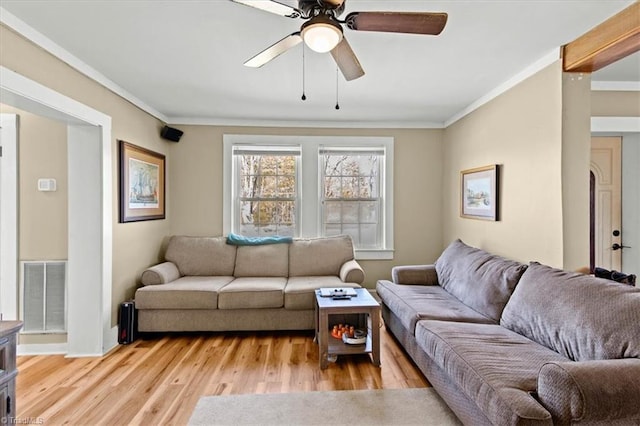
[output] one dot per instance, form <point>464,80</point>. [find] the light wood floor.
<point>158,380</point>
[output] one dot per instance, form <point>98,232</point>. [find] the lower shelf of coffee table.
<point>338,347</point>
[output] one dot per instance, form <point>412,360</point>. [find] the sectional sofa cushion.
<point>604,321</point>
<point>201,256</point>
<point>493,366</point>
<point>481,280</point>
<point>252,293</point>
<point>183,293</point>
<point>319,256</point>
<point>270,260</point>
<point>412,303</point>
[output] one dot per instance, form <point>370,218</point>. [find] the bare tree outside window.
<point>267,194</point>
<point>351,196</point>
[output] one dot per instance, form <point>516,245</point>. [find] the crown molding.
<point>314,124</point>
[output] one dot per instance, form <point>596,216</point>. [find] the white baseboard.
<point>42,349</point>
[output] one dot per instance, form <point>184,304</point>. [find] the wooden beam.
<point>608,42</point>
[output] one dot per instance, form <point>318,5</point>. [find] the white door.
<point>8,217</point>
<point>606,166</point>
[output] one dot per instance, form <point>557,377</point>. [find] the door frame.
<point>9,219</point>
<point>616,126</point>
<point>607,177</point>
<point>90,249</point>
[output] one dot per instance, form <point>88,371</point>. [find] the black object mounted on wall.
<point>171,134</point>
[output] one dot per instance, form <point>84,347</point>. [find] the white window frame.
<point>310,185</point>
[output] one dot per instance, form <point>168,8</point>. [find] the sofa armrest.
<point>591,391</point>
<point>415,275</point>
<point>352,272</point>
<point>161,273</point>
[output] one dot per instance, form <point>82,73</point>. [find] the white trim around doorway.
<point>90,332</point>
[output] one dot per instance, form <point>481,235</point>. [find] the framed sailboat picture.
<point>142,184</point>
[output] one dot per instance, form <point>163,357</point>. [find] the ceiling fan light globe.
<point>321,37</point>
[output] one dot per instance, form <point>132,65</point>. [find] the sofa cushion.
<point>183,293</point>
<point>201,256</point>
<point>262,261</point>
<point>479,279</point>
<point>253,292</point>
<point>319,256</point>
<point>493,366</point>
<point>579,316</point>
<point>300,291</point>
<point>412,303</point>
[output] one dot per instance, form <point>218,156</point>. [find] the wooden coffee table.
<point>363,311</point>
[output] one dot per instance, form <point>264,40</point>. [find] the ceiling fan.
<point>322,30</point>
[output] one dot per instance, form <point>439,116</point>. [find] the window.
<point>350,196</point>
<point>311,186</point>
<point>266,193</point>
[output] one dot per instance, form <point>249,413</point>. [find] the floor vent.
<point>44,297</point>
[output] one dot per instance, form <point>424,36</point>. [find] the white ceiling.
<point>182,59</point>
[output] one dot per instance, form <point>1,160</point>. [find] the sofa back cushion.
<point>271,260</point>
<point>579,316</point>
<point>201,256</point>
<point>319,256</point>
<point>480,280</point>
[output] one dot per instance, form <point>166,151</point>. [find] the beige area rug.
<point>420,406</point>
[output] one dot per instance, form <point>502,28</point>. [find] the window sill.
<point>382,254</point>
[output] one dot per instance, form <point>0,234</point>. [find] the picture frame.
<point>142,183</point>
<point>479,193</point>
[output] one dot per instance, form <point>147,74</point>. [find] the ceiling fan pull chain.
<point>304,97</point>
<point>337,103</point>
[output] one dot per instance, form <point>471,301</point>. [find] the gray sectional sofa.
<point>506,343</point>
<point>206,284</point>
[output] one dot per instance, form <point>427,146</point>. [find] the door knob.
<point>617,246</point>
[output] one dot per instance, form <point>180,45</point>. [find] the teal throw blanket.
<point>239,240</point>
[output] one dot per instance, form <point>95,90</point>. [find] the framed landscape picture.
<point>142,184</point>
<point>479,193</point>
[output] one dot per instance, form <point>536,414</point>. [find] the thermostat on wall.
<point>46,184</point>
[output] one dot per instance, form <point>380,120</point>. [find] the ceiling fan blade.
<point>398,22</point>
<point>274,50</point>
<point>272,7</point>
<point>347,60</point>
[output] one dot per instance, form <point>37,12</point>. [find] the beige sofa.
<point>206,284</point>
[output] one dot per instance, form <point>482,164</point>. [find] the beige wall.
<point>576,164</point>
<point>135,245</point>
<point>42,147</point>
<point>521,130</point>
<point>196,182</point>
<point>615,104</point>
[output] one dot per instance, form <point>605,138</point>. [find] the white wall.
<point>631,203</point>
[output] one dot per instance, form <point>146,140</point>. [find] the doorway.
<point>606,243</point>
<point>89,331</point>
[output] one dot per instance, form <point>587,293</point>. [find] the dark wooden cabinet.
<point>8,370</point>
